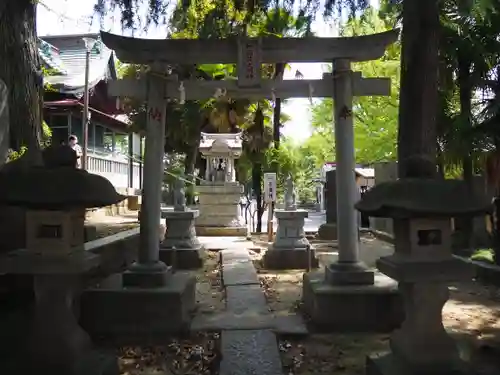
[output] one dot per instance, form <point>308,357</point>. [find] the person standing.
<point>73,143</point>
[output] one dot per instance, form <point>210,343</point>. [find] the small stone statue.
<point>179,195</point>
<point>290,195</point>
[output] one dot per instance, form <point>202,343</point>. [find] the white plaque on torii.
<point>249,63</point>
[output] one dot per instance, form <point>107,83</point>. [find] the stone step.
<point>237,268</point>
<point>250,352</point>
<point>281,324</point>
<point>240,298</point>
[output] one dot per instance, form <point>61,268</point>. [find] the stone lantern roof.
<point>422,197</point>
<point>57,185</point>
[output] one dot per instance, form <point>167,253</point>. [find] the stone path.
<point>248,328</point>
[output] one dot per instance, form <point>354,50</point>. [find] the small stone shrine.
<point>56,196</point>
<point>181,248</point>
<point>290,249</point>
<point>220,193</point>
<point>421,210</point>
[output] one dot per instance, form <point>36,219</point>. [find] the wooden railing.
<point>115,169</point>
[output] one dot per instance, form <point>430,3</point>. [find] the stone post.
<point>149,270</point>
<point>348,270</point>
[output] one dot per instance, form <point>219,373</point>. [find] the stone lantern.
<point>423,264</point>
<point>55,197</point>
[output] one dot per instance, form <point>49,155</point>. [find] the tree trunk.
<point>21,72</point>
<point>257,188</point>
<point>496,231</point>
<point>465,94</point>
<point>278,75</point>
<point>439,161</point>
<point>419,82</point>
<point>19,64</point>
<point>276,123</point>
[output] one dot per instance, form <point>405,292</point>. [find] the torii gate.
<point>250,54</point>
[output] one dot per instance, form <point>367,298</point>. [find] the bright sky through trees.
<point>57,17</point>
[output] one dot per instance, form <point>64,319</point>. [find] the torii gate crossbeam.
<point>225,51</point>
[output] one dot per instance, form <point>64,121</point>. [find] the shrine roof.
<point>206,51</point>
<point>220,142</point>
<point>119,122</point>
<point>65,55</point>
<point>365,172</point>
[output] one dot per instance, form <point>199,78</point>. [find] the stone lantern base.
<point>420,348</point>
<point>290,249</point>
<point>54,342</point>
<point>340,307</point>
<point>180,248</point>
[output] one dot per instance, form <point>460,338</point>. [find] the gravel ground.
<point>195,355</point>
<point>472,315</point>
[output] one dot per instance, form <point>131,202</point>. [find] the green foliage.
<point>376,117</point>
<point>483,255</point>
<point>46,134</point>
<point>48,72</point>
<point>222,15</point>
<point>14,155</point>
<point>296,161</point>
<point>45,142</point>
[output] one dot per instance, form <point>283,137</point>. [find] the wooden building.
<point>113,150</point>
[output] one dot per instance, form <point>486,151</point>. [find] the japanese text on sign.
<point>250,64</point>
<point>270,187</point>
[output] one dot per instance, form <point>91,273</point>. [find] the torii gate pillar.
<point>349,296</point>
<point>148,300</point>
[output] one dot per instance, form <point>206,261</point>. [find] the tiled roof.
<point>64,55</point>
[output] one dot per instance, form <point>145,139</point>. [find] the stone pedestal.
<point>290,247</point>
<point>219,210</point>
<point>181,248</point>
<point>56,344</point>
<point>137,315</point>
<point>332,307</point>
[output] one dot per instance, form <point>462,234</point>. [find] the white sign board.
<point>270,187</point>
